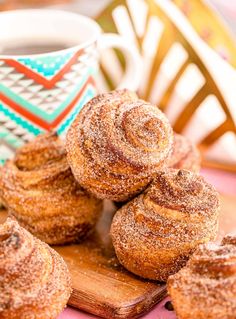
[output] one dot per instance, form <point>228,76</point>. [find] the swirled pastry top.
<point>214,260</point>
<point>206,287</point>
<point>35,281</point>
<point>15,245</point>
<point>40,163</point>
<point>122,133</point>
<point>184,191</point>
<point>41,152</point>
<point>116,145</point>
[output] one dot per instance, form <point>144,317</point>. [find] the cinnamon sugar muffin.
<point>38,189</point>
<point>34,280</point>
<point>117,144</point>
<point>206,287</point>
<point>155,233</point>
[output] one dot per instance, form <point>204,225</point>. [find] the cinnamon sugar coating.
<point>34,279</point>
<point>117,144</point>
<point>184,191</point>
<point>229,239</point>
<point>39,190</point>
<point>185,155</point>
<point>206,287</point>
<point>155,233</point>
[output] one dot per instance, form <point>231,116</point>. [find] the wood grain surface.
<point>102,286</point>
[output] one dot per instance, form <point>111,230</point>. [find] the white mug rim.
<point>73,48</point>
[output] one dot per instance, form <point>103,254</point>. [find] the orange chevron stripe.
<point>63,114</point>
<point>48,84</point>
<point>23,112</point>
<point>37,120</point>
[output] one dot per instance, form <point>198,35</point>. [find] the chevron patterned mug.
<point>44,91</point>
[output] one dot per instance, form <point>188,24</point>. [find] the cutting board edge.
<point>108,311</point>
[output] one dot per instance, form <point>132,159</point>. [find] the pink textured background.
<point>225,183</point>
<point>159,312</point>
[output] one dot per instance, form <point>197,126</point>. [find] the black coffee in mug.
<point>32,48</point>
<point>49,62</point>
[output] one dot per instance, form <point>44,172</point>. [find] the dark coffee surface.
<point>33,48</point>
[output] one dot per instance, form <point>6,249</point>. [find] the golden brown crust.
<point>185,155</point>
<point>229,239</point>
<point>206,287</point>
<point>184,191</point>
<point>35,281</point>
<point>117,144</point>
<point>43,151</point>
<point>214,261</point>
<point>154,234</point>
<point>39,190</point>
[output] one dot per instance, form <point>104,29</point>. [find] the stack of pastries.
<point>155,233</point>
<point>117,144</point>
<point>123,149</point>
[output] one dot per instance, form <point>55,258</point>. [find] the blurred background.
<point>226,8</point>
<point>192,85</point>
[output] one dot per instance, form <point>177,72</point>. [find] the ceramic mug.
<point>41,92</point>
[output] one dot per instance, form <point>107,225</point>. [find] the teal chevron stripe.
<point>19,100</point>
<point>70,97</point>
<point>47,66</point>
<point>20,121</point>
<point>10,138</point>
<point>88,95</point>
<point>37,111</point>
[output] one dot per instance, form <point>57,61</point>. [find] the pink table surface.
<point>225,183</point>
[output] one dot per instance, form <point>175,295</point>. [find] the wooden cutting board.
<point>102,286</point>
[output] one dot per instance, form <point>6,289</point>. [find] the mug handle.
<point>133,72</point>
